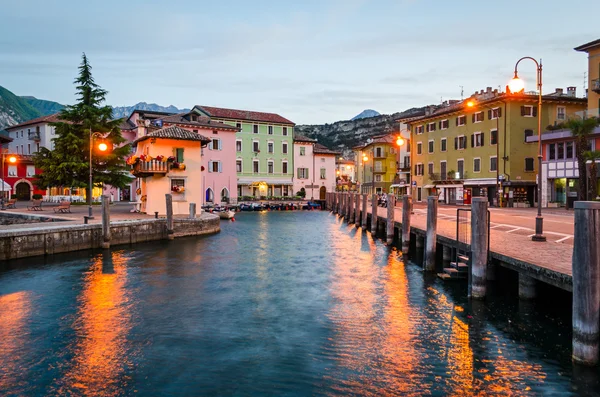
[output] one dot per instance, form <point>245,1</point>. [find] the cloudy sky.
<point>312,61</point>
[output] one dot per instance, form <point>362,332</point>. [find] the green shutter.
<point>179,155</point>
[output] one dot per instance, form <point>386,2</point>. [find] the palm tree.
<point>581,129</point>
<point>593,156</point>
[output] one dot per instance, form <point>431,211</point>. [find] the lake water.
<point>277,304</point>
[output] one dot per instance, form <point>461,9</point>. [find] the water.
<point>277,304</point>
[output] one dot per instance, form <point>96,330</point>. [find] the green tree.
<point>581,129</point>
<point>68,164</point>
<point>593,156</point>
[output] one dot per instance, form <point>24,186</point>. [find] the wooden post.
<point>348,206</point>
<point>431,241</point>
<point>192,210</point>
<point>169,199</point>
<point>364,212</point>
<point>357,217</point>
<point>389,232</point>
<point>446,255</point>
<point>479,247</point>
<point>419,243</point>
<point>406,207</point>
<point>343,208</point>
<point>374,214</point>
<point>586,282</point>
<point>526,287</point>
<point>336,201</point>
<point>351,208</point>
<point>105,221</point>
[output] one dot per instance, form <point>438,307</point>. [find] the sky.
<point>311,61</point>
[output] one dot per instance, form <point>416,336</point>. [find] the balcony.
<point>448,177</point>
<point>595,86</point>
<point>379,155</point>
<point>380,170</point>
<point>34,136</point>
<point>148,168</point>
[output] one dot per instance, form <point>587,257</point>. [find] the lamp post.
<point>365,159</point>
<point>102,147</point>
<point>399,143</point>
<point>11,159</point>
<point>516,85</point>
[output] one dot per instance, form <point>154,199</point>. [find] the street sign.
<point>414,183</point>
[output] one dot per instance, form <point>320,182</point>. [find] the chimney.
<point>572,91</point>
<point>559,91</point>
<point>488,90</point>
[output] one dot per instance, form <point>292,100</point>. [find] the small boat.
<point>226,214</point>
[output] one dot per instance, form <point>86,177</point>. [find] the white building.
<point>314,168</point>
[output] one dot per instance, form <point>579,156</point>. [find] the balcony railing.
<point>450,176</point>
<point>595,86</point>
<point>380,170</point>
<point>380,155</point>
<point>152,167</point>
<point>34,135</point>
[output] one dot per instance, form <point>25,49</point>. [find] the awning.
<point>480,182</point>
<point>428,186</point>
<point>270,182</point>
<point>7,187</point>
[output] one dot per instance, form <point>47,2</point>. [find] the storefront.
<point>520,194</point>
<point>484,187</point>
<point>450,193</point>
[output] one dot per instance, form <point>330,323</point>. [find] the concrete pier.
<point>479,247</point>
<point>431,241</point>
<point>374,214</point>
<point>105,221</point>
<point>586,283</point>
<point>391,205</point>
<point>419,245</point>
<point>357,219</point>
<point>526,287</point>
<point>406,207</point>
<point>364,212</point>
<point>169,201</point>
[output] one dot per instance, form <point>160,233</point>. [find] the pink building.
<point>314,167</point>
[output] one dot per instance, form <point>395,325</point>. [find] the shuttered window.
<point>179,155</point>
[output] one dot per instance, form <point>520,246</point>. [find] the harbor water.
<point>277,304</point>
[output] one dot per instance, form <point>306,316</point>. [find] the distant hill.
<point>14,109</point>
<point>43,106</point>
<point>125,111</point>
<point>366,114</point>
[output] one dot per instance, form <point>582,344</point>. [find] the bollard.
<point>586,282</point>
<point>431,241</point>
<point>364,212</point>
<point>348,206</point>
<point>343,205</point>
<point>105,221</point>
<point>479,248</point>
<point>334,208</point>
<point>419,243</point>
<point>357,217</point>
<point>391,204</point>
<point>446,255</point>
<point>374,214</point>
<point>169,200</point>
<point>192,210</point>
<point>351,208</point>
<point>526,287</point>
<point>406,211</point>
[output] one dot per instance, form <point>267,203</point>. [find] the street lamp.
<point>365,159</point>
<point>103,147</point>
<point>517,85</point>
<point>12,159</point>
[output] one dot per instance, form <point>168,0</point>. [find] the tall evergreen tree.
<point>68,164</point>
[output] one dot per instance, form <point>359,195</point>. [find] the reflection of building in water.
<point>15,310</point>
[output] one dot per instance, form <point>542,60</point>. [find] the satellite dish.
<point>147,123</point>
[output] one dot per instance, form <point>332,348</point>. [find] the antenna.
<point>462,92</point>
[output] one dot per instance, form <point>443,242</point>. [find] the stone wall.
<point>10,218</point>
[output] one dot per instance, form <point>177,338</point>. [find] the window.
<point>284,148</point>
<point>323,173</point>
<point>494,113</point>
<point>460,142</point>
<point>493,164</point>
<point>255,147</point>
<point>431,127</point>
<point>179,155</point>
<point>177,184</point>
<point>214,166</point>
<point>238,125</point>
<point>529,164</point>
<point>444,124</point>
<point>443,171</point>
<point>378,178</point>
<point>238,166</point>
<point>302,151</point>
<point>270,147</point>
<point>552,151</point>
<point>270,167</point>
<point>461,120</point>
<point>270,129</point>
<point>528,111</point>
<point>255,128</point>
<point>419,147</point>
<point>29,148</point>
<point>560,152</point>
<point>430,168</point>
<point>478,117</point>
<point>215,144</point>
<point>12,170</point>
<point>493,137</point>
<point>215,132</point>
<point>461,169</point>
<point>302,173</point>
<point>476,165</point>
<point>569,150</point>
<point>238,146</point>
<point>477,139</point>
<point>284,131</point>
<point>30,170</point>
<point>284,167</point>
<point>419,169</point>
<point>443,145</point>
<point>430,146</point>
<point>528,133</point>
<point>255,166</point>
<point>419,129</point>
<point>560,112</point>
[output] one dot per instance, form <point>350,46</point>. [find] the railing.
<point>150,167</point>
<point>463,227</point>
<point>380,155</point>
<point>595,86</point>
<point>380,170</point>
<point>34,135</point>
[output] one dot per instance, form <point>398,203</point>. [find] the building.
<point>462,151</point>
<point>314,165</point>
<point>345,172</point>
<point>379,171</point>
<point>169,161</point>
<point>264,155</point>
<point>593,92</point>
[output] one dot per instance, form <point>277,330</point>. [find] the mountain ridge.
<point>366,114</point>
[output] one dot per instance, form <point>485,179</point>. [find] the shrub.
<point>37,196</point>
<point>301,193</point>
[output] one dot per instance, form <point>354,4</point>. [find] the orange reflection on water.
<point>15,310</point>
<point>104,319</point>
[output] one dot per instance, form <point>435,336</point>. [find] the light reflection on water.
<point>276,304</point>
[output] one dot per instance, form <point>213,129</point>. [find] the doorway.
<point>322,193</point>
<point>23,191</point>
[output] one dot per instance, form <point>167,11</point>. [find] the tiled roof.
<point>244,115</point>
<point>5,139</point>
<point>175,132</point>
<point>202,122</point>
<point>302,138</point>
<point>320,149</point>
<point>127,125</point>
<point>53,118</point>
<point>588,46</point>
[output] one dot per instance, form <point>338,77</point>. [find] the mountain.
<point>14,109</point>
<point>43,106</point>
<point>344,135</point>
<point>125,111</point>
<point>366,114</point>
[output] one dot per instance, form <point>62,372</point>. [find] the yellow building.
<point>460,151</point>
<point>377,173</point>
<point>593,94</point>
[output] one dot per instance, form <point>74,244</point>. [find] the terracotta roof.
<point>53,118</point>
<point>175,132</point>
<point>302,138</point>
<point>5,139</point>
<point>127,125</point>
<point>244,115</point>
<point>588,46</point>
<point>205,122</point>
<point>320,149</point>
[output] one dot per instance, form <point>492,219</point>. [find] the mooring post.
<point>351,208</point>
<point>431,240</point>
<point>335,202</point>
<point>105,221</point>
<point>406,207</point>
<point>357,217</point>
<point>192,210</point>
<point>479,247</point>
<point>344,204</point>
<point>526,286</point>
<point>389,232</point>
<point>446,255</point>
<point>419,245</point>
<point>364,212</point>
<point>169,199</point>
<point>348,206</point>
<point>374,214</point>
<point>586,282</point>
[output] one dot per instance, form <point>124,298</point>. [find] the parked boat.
<point>226,214</point>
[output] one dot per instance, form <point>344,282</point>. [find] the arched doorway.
<point>210,196</point>
<point>322,193</point>
<point>23,191</point>
<point>224,195</point>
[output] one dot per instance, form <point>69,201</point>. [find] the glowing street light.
<point>399,141</point>
<point>516,84</point>
<point>103,147</point>
<point>11,159</point>
<point>470,104</point>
